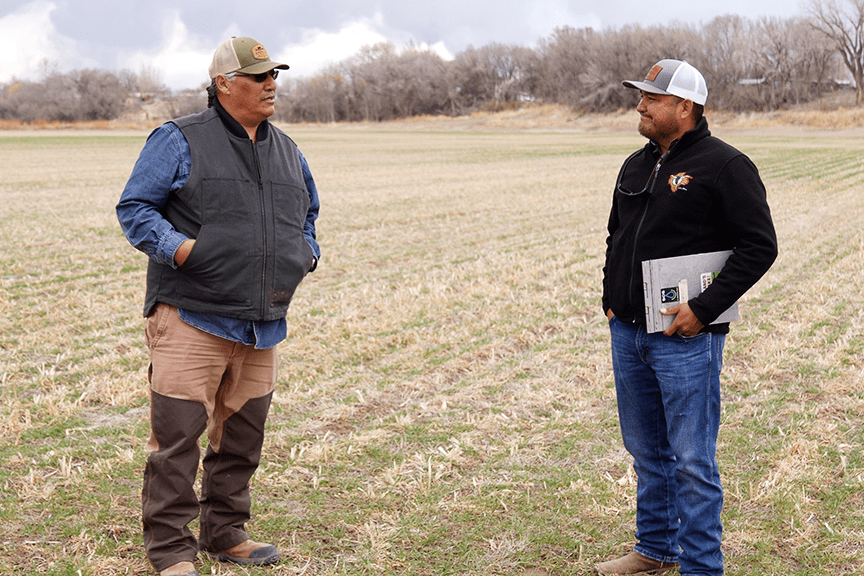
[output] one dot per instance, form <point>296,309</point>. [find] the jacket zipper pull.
<point>653,179</point>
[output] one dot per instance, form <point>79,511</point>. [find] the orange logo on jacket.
<point>679,180</point>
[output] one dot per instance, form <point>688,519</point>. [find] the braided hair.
<point>211,93</point>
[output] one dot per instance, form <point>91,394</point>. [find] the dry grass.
<point>445,403</point>
<point>831,114</point>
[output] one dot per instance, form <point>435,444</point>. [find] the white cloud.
<point>546,15</point>
<point>181,60</point>
<point>318,49</point>
<point>442,51</point>
<point>30,41</point>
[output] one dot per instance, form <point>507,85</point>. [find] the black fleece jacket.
<point>704,196</point>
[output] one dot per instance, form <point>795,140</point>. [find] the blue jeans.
<point>669,408</point>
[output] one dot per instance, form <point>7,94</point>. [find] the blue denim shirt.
<point>163,168</point>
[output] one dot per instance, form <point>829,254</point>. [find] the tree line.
<point>86,95</point>
<point>763,64</point>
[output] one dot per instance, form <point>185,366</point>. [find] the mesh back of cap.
<point>224,59</point>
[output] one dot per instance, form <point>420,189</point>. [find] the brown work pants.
<point>199,381</point>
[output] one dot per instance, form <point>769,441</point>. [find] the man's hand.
<point>183,251</point>
<point>685,322</point>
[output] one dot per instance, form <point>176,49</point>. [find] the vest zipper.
<point>264,231</point>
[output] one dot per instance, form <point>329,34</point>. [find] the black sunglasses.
<point>257,77</point>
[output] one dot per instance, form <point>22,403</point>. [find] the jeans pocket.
<point>691,338</point>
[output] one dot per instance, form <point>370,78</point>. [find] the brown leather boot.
<point>249,553</point>
<point>180,569</point>
<point>635,564</point>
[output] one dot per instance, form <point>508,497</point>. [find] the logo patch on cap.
<point>653,73</point>
<point>259,52</point>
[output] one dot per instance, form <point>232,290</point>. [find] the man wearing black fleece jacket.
<point>686,192</point>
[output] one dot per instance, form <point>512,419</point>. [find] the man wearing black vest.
<point>224,205</point>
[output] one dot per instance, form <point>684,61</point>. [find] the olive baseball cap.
<point>243,54</point>
<point>674,77</point>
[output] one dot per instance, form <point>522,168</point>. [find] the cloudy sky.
<point>177,39</point>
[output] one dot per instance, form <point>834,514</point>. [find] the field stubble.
<point>445,401</point>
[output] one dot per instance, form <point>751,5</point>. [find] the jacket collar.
<point>690,137</point>
<point>235,128</point>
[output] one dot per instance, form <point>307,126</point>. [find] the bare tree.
<point>818,63</point>
<point>48,68</point>
<point>417,82</point>
<point>843,23</point>
<point>471,84</point>
<point>371,69</point>
<point>186,101</point>
<point>729,60</point>
<point>149,83</point>
<point>322,94</point>
<point>564,57</point>
<point>490,75</point>
<point>100,94</point>
<point>794,60</point>
<point>30,101</point>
